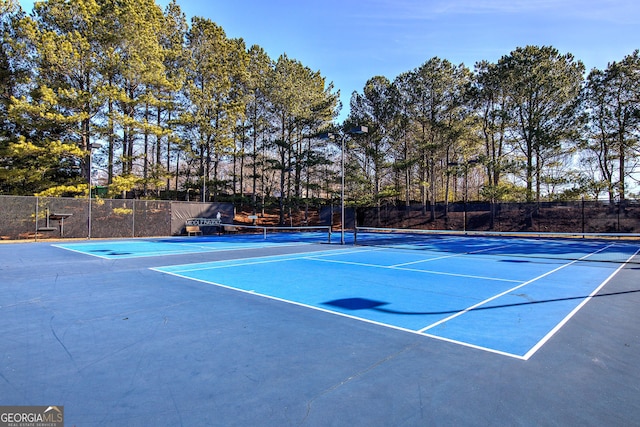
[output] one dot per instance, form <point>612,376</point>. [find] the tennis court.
<point>243,330</point>
<point>476,296</point>
<point>134,248</point>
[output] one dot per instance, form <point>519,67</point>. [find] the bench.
<point>193,230</point>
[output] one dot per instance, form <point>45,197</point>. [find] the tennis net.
<point>604,247</point>
<point>301,234</point>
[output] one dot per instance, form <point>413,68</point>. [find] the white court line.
<point>440,273</point>
<point>475,346</point>
<point>528,282</point>
<point>315,256</point>
<point>311,255</point>
<point>81,252</point>
<point>420,261</point>
<point>451,256</point>
<point>142,254</point>
<point>553,331</point>
<point>214,265</point>
<point>258,244</point>
<point>177,251</point>
<point>349,316</point>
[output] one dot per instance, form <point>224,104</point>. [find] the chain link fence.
<point>555,217</point>
<point>33,218</point>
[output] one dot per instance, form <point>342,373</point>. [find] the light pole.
<point>358,130</point>
<point>91,148</point>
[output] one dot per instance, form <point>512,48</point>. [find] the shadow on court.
<point>356,304</point>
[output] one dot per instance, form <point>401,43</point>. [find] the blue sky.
<point>350,41</point>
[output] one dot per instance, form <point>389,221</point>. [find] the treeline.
<point>149,104</point>
<point>172,106</point>
<point>528,128</point>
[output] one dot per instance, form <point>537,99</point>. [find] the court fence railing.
<point>34,218</point>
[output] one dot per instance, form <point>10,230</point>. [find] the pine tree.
<point>544,88</point>
<point>63,99</point>
<point>216,71</point>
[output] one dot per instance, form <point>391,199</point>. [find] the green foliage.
<point>64,191</point>
<point>123,184</point>
<point>176,104</point>
<point>31,168</point>
<point>543,95</point>
<point>505,192</point>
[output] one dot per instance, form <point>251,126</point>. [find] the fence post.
<point>37,214</point>
<point>583,225</point>
<point>89,213</point>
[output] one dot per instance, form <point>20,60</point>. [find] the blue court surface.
<point>192,245</point>
<point>496,303</point>
<point>238,330</point>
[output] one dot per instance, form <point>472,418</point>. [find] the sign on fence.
<point>202,222</point>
